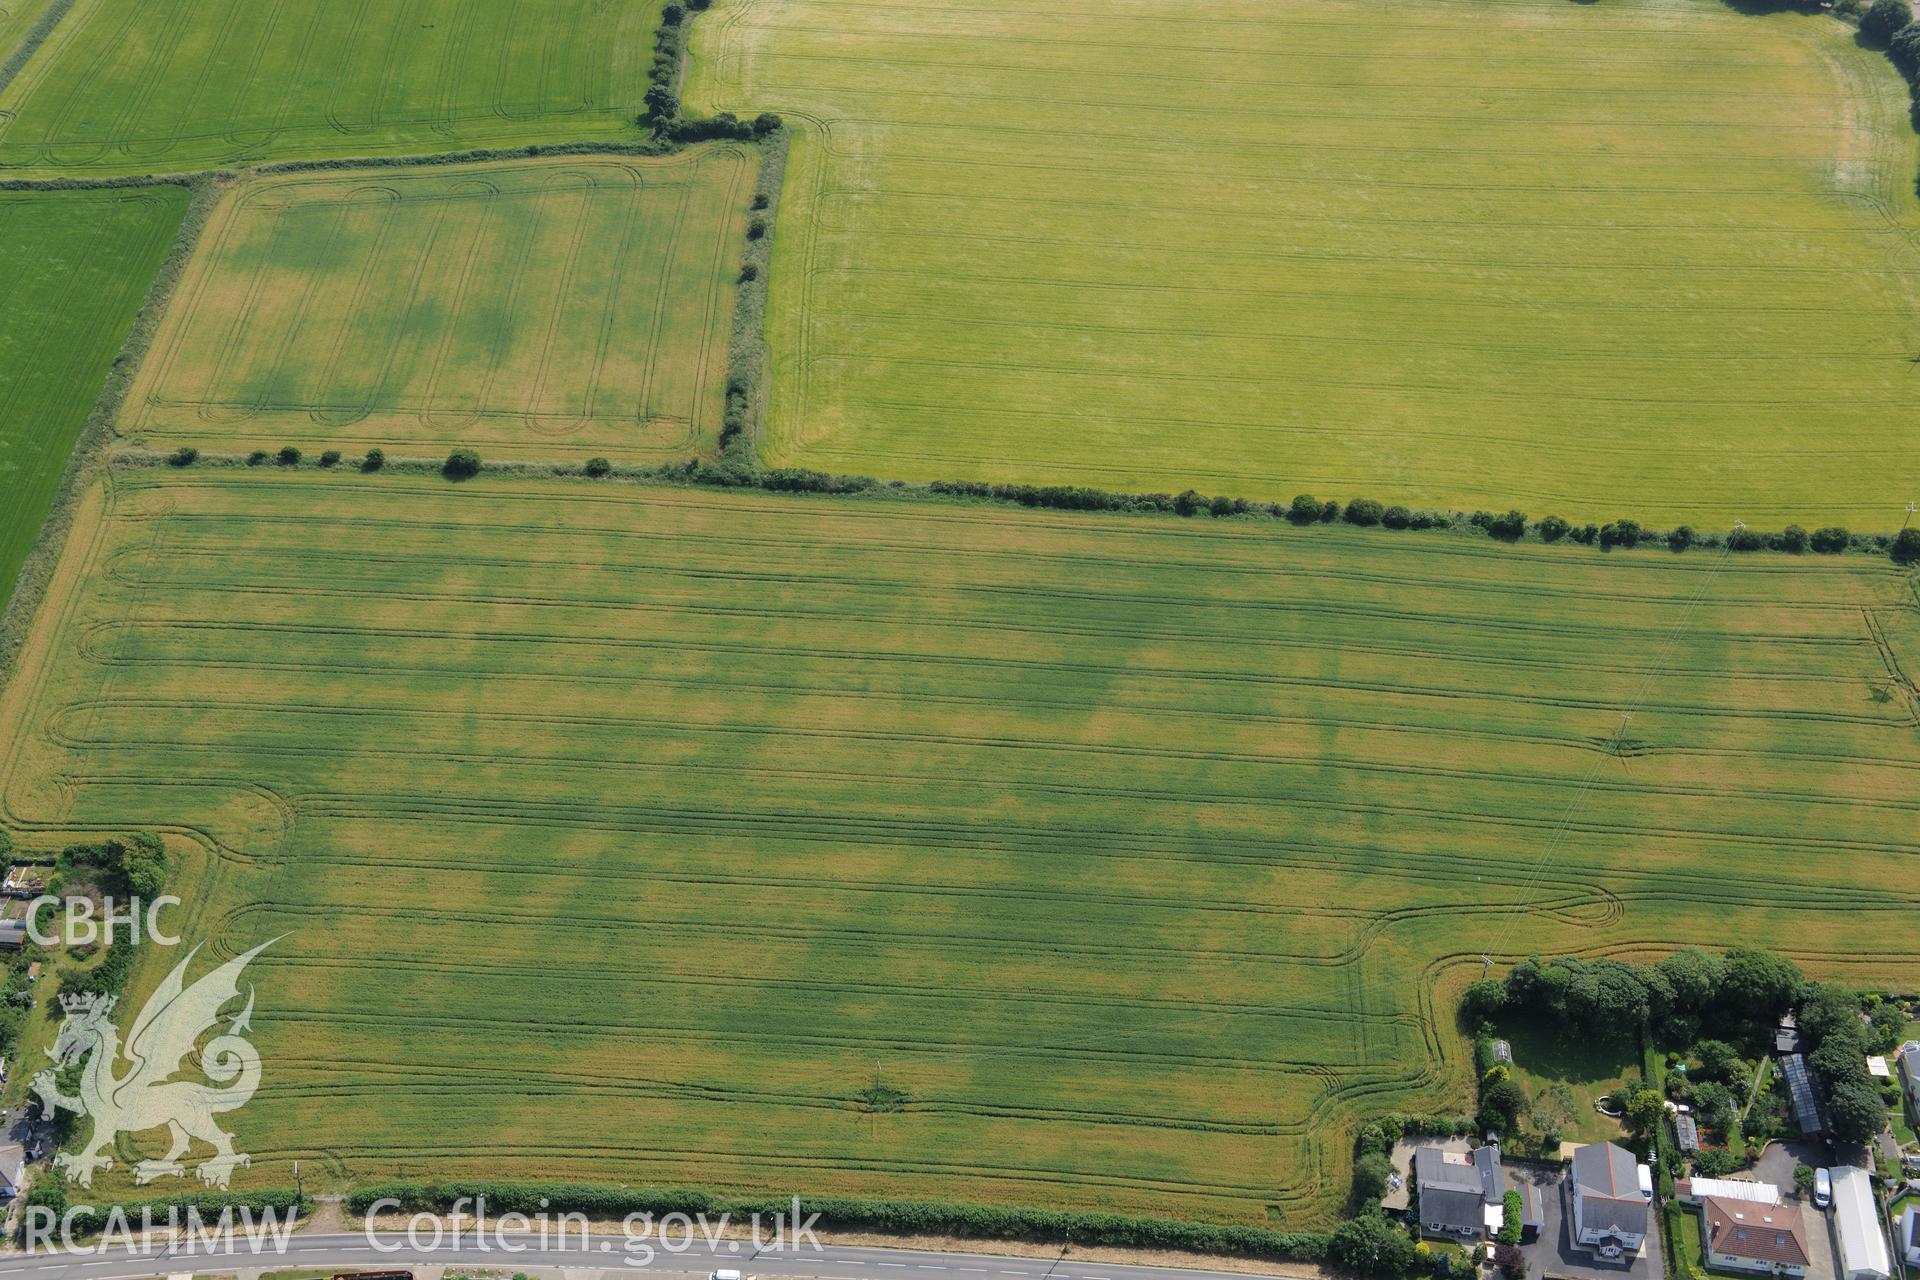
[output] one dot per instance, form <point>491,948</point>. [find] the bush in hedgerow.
<point>1509,527</point>
<point>1305,509</point>
<point>288,456</point>
<point>1553,528</point>
<point>1906,546</point>
<point>598,466</point>
<point>461,464</point>
<point>1828,541</point>
<point>375,459</point>
<point>185,456</point>
<point>331,458</point>
<point>1620,533</point>
<point>1396,517</point>
<point>1364,511</point>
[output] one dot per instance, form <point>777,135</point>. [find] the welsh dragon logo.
<point>160,1044</point>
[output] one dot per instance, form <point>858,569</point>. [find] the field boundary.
<point>907,1217</point>
<point>733,473</point>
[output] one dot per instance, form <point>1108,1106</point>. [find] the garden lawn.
<point>633,834</point>
<point>1654,258</point>
<point>1590,1071</point>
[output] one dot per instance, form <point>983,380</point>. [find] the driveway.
<point>1554,1253</point>
<point>1778,1161</point>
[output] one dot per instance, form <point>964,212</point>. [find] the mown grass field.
<point>638,834</point>
<point>140,86</point>
<point>78,265</point>
<point>1653,258</point>
<point>543,308</point>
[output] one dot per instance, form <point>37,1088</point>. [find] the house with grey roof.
<point>1611,1215</point>
<point>1452,1195</point>
<point>1906,1062</point>
<point>1456,1189</point>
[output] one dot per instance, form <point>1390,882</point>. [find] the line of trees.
<point>1738,994</point>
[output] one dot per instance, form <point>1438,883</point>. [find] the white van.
<point>1823,1188</point>
<point>1646,1182</point>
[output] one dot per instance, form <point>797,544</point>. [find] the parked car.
<point>1823,1188</point>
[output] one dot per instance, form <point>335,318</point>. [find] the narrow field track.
<point>634,833</point>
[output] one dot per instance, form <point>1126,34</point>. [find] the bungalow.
<point>1610,1213</point>
<point>1455,1190</point>
<point>1747,1236</point>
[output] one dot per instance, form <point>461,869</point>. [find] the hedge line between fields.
<point>747,363</point>
<point>1304,511</point>
<point>902,1217</point>
<point>30,43</point>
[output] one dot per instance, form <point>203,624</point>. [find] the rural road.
<point>831,1262</point>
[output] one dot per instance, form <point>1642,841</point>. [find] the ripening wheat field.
<point>1653,258</point>
<point>639,834</point>
<point>535,308</point>
<point>144,86</point>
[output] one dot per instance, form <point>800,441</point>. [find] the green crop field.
<point>542,308</point>
<point>138,86</point>
<point>77,266</point>
<point>685,836</point>
<point>1653,258</point>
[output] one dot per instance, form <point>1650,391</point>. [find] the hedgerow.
<point>88,1220</point>
<point>903,1217</point>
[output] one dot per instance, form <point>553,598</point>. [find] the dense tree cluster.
<point>1689,990</point>
<point>1837,1057</point>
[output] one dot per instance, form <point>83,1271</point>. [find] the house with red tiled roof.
<point>1745,1235</point>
